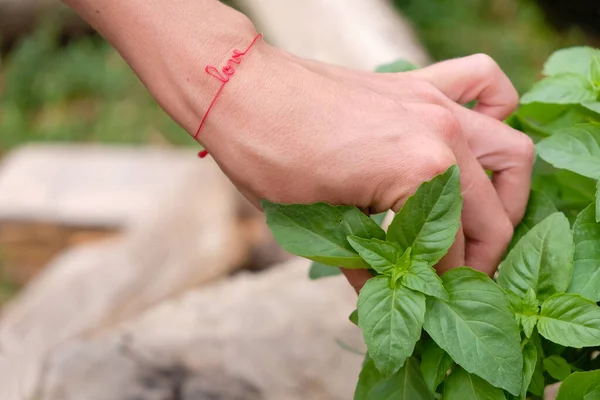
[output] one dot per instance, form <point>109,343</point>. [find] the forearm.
<point>168,44</point>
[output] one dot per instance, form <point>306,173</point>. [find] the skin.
<point>298,131</point>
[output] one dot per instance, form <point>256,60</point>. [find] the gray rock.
<point>185,235</point>
<point>268,336</point>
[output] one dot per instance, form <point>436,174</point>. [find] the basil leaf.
<point>578,385</point>
<point>379,254</point>
<point>598,202</point>
<point>406,384</point>
<point>396,66</point>
<point>369,377</point>
<point>435,363</point>
<point>537,384</point>
<point>543,120</point>
<point>575,189</point>
<point>557,367</point>
<point>592,106</point>
<point>461,385</point>
<point>570,320</point>
<point>318,271</point>
<point>593,395</point>
<point>353,317</point>
<point>319,231</point>
<point>526,310</point>
<point>477,328</point>
<point>423,278</point>
<point>378,218</point>
<point>530,358</point>
<point>575,60</point>
<point>539,207</point>
<point>595,69</point>
<point>565,88</point>
<point>576,149</point>
<point>430,219</point>
<point>542,260</point>
<point>586,261</point>
<point>391,319</point>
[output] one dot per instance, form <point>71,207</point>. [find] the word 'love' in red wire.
<point>223,75</point>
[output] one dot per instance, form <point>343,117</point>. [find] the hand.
<point>297,131</point>
<point>305,132</point>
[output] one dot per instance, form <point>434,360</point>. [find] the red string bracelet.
<point>223,76</point>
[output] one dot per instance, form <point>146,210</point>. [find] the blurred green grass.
<point>514,32</point>
<point>79,92</point>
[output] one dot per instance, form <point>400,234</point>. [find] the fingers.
<point>455,256</point>
<point>486,225</point>
<point>357,277</point>
<point>476,77</point>
<point>508,153</point>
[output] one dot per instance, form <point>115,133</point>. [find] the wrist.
<point>169,44</point>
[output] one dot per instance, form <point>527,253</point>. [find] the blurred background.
<point>112,286</point>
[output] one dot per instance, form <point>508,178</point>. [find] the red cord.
<point>223,76</point>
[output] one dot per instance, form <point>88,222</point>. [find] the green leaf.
<point>435,362</point>
<point>391,319</point>
<point>576,149</point>
<point>353,317</point>
<point>539,207</point>
<point>575,189</point>
<point>593,395</point>
<point>578,385</point>
<point>318,271</point>
<point>586,269</point>
<point>557,367</point>
<point>378,218</point>
<point>598,202</point>
<point>542,260</point>
<point>369,377</point>
<point>319,231</point>
<point>477,328</point>
<point>537,384</point>
<point>540,119</point>
<point>530,358</point>
<point>430,219</point>
<point>576,60</point>
<point>561,89</point>
<point>593,106</point>
<point>526,310</point>
<point>595,69</point>
<point>423,278</point>
<point>461,385</point>
<point>570,320</point>
<point>396,66</point>
<point>406,384</point>
<point>379,254</point>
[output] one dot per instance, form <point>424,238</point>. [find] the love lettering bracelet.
<point>223,75</point>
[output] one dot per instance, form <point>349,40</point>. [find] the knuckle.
<point>505,233</point>
<point>485,62</point>
<point>525,149</point>
<point>429,93</point>
<point>512,97</point>
<point>423,165</point>
<point>436,163</point>
<point>445,122</point>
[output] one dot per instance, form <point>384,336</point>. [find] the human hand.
<point>296,131</point>
<point>497,147</point>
